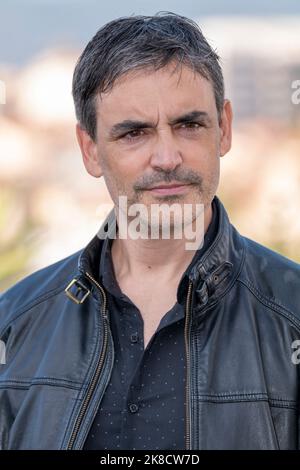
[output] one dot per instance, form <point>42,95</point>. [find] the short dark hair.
<point>139,42</point>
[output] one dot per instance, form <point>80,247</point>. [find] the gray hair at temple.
<point>140,42</point>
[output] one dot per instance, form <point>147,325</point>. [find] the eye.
<point>191,126</point>
<point>133,135</point>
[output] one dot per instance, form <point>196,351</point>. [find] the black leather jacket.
<point>242,316</point>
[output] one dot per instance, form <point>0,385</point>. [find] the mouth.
<point>169,189</point>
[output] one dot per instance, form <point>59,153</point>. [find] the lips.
<point>168,186</point>
<point>168,189</point>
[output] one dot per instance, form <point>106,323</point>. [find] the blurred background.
<point>50,207</point>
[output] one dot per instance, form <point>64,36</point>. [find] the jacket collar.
<point>218,268</point>
<point>212,275</point>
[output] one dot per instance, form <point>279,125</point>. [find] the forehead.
<point>147,93</point>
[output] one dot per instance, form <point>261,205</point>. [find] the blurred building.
<point>261,60</point>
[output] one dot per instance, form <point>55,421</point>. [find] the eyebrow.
<point>128,124</point>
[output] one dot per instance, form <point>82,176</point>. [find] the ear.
<point>226,128</point>
<point>89,152</point>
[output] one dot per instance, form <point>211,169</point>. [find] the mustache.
<point>185,177</point>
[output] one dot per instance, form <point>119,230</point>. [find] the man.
<point>141,343</point>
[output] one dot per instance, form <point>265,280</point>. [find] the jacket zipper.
<point>98,368</point>
<point>187,351</point>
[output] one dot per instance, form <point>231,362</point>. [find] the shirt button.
<point>133,407</point>
<point>134,338</point>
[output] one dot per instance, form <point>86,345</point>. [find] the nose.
<point>165,152</point>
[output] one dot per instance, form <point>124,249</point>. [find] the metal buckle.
<point>80,287</point>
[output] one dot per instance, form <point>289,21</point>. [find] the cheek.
<point>206,145</point>
<point>204,160</point>
<point>120,171</point>
<point>128,168</point>
<point>119,180</point>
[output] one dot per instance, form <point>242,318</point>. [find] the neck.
<point>144,257</point>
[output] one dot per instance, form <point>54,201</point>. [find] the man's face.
<point>156,129</point>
